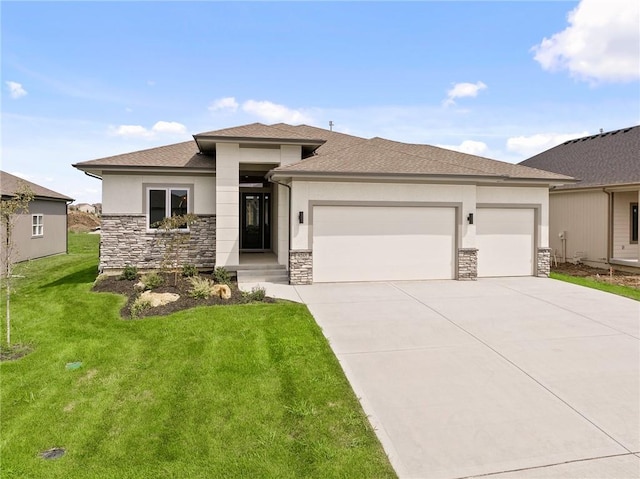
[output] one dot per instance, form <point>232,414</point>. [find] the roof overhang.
<point>276,175</point>
<point>99,170</point>
<point>207,143</point>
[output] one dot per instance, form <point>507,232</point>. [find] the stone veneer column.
<point>300,267</point>
<point>467,264</point>
<point>544,262</point>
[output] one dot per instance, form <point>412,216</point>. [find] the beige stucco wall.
<point>467,196</point>
<point>124,193</point>
<point>582,215</point>
<point>523,195</point>
<point>54,239</point>
<point>622,247</point>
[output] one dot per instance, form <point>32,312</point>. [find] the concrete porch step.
<point>266,275</point>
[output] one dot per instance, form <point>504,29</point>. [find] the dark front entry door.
<point>256,221</point>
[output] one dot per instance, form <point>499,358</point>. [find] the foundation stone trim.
<point>467,264</point>
<point>124,240</point>
<point>543,262</point>
<point>300,267</point>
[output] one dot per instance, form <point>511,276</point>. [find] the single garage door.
<point>379,243</point>
<point>505,241</point>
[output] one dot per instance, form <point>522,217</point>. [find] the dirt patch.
<point>611,276</point>
<point>15,351</point>
<point>111,284</point>
<point>80,222</point>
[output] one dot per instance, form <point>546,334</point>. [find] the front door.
<point>255,233</point>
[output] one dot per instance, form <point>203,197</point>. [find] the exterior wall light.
<point>300,217</point>
<point>470,218</point>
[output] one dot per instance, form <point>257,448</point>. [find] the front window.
<point>634,223</point>
<point>166,202</point>
<point>37,225</point>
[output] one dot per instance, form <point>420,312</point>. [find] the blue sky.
<point>84,80</point>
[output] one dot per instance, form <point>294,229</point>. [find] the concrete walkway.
<point>511,377</point>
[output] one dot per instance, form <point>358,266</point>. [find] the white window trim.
<point>167,205</point>
<point>37,225</point>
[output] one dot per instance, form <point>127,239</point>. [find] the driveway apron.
<point>513,377</point>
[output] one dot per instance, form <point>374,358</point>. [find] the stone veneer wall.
<point>300,267</point>
<point>467,264</point>
<point>125,241</point>
<point>544,262</point>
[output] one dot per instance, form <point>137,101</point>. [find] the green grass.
<point>246,391</point>
<point>625,291</point>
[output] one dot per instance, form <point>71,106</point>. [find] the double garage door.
<point>381,243</point>
<point>378,243</point>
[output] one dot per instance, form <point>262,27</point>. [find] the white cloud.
<point>226,103</point>
<point>601,43</point>
<point>169,127</point>
<point>470,147</point>
<point>132,131</point>
<point>532,145</point>
<point>166,128</point>
<point>461,90</point>
<point>16,89</point>
<point>274,113</point>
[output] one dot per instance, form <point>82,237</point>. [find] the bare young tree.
<point>173,229</point>
<point>10,210</point>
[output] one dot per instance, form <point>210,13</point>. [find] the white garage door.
<point>505,241</point>
<point>378,243</point>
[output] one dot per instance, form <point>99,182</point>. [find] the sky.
<point>501,79</point>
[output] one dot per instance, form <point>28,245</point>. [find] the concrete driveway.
<point>512,378</point>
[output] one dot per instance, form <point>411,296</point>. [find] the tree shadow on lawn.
<point>87,275</point>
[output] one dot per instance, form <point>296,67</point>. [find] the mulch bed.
<point>613,276</point>
<point>111,284</point>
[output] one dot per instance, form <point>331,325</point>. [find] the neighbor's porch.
<point>625,250</point>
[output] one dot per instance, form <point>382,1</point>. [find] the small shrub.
<point>189,270</point>
<point>221,276</point>
<point>200,287</point>
<point>139,306</point>
<point>257,293</point>
<point>151,280</point>
<point>129,273</point>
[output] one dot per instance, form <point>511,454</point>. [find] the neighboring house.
<point>42,231</point>
<point>595,220</point>
<point>327,206</point>
<point>86,208</point>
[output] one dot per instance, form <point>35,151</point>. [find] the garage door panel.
<point>360,243</point>
<point>505,241</point>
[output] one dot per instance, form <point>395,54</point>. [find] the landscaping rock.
<point>159,299</point>
<point>139,286</point>
<point>221,290</point>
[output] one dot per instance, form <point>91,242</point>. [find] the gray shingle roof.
<point>608,158</point>
<point>335,152</point>
<point>380,156</point>
<point>10,184</point>
<point>179,155</point>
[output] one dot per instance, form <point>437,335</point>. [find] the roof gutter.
<point>416,176</point>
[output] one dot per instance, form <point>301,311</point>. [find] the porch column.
<point>227,204</point>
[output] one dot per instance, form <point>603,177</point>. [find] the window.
<point>37,225</point>
<point>634,223</point>
<point>166,202</point>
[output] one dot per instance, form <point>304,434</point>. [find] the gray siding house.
<point>595,221</point>
<point>42,231</point>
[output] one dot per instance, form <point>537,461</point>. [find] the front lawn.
<point>620,290</point>
<point>242,391</point>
